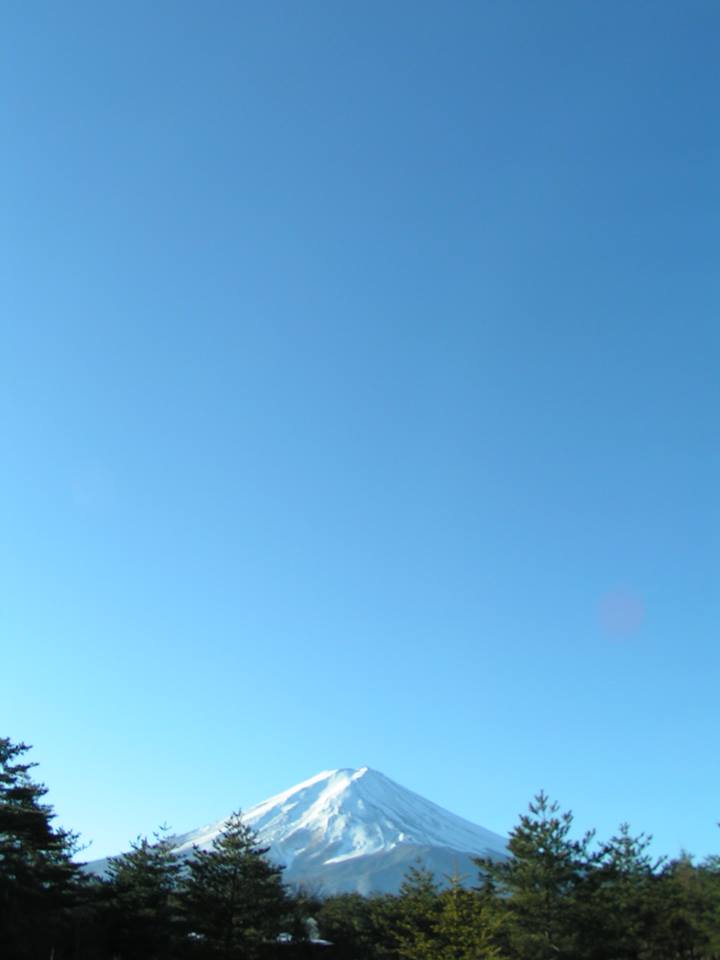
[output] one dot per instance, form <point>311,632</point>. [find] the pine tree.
<point>38,878</point>
<point>456,924</point>
<point>418,913</point>
<point>613,912</point>
<point>538,883</point>
<point>358,926</point>
<point>468,926</point>
<point>710,873</point>
<point>233,898</point>
<point>140,892</point>
<point>687,912</point>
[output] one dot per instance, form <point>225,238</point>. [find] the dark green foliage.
<point>38,880</point>
<point>614,912</point>
<point>233,899</point>
<point>556,898</point>
<point>141,902</point>
<point>360,928</point>
<point>418,912</point>
<point>539,883</point>
<point>453,923</point>
<point>687,908</point>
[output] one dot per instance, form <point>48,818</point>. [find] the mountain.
<point>356,830</point>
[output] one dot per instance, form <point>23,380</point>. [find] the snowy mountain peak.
<point>340,821</point>
<point>357,830</point>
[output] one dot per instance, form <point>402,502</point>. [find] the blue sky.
<point>358,403</point>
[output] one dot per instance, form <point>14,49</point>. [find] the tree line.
<point>555,897</point>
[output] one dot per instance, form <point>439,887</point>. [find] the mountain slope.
<point>357,830</point>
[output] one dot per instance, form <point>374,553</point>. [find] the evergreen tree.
<point>140,893</point>
<point>710,877</point>
<point>418,912</point>
<point>234,902</point>
<point>614,909</point>
<point>469,927</point>
<point>38,878</point>
<point>456,925</point>
<point>711,873</point>
<point>687,913</point>
<point>360,928</point>
<point>538,883</point>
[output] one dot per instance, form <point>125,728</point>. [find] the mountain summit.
<point>358,830</point>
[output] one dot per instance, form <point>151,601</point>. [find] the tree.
<point>233,898</point>
<point>687,912</point>
<point>358,926</point>
<point>537,884</point>
<point>38,878</point>
<point>140,893</point>
<point>455,925</point>
<point>418,912</point>
<point>614,910</point>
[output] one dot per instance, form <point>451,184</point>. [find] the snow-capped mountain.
<point>357,830</point>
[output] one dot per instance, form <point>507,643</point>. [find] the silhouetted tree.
<point>233,898</point>
<point>141,900</point>
<point>38,878</point>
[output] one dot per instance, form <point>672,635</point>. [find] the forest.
<point>557,896</point>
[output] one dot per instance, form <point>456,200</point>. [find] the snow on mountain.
<point>345,830</point>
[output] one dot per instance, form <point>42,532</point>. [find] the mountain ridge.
<point>356,830</point>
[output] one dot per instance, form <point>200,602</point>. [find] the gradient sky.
<point>359,392</point>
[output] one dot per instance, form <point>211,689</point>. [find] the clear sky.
<point>359,392</point>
